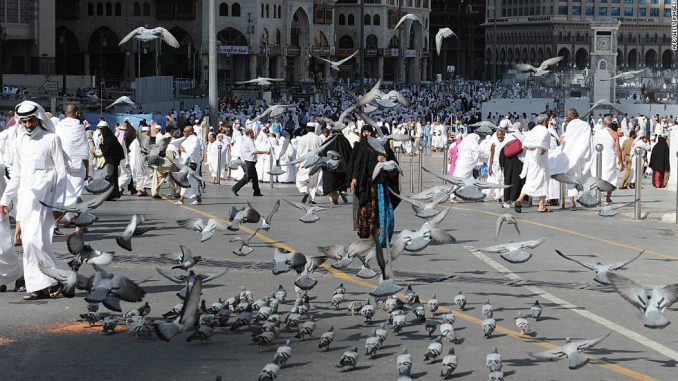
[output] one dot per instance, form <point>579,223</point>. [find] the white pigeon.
<point>627,74</point>
<point>601,103</point>
<point>123,100</point>
<point>572,351</point>
<point>542,69</point>
<point>514,252</point>
<point>601,269</point>
<point>259,81</point>
<point>206,229</point>
<point>652,303</point>
<point>274,111</point>
<point>144,34</point>
<point>493,360</point>
<point>442,34</point>
<point>411,17</point>
<point>335,64</point>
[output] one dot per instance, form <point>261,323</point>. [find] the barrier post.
<point>421,164</point>
<point>445,148</point>
<point>219,166</point>
<point>640,157</point>
<point>599,169</point>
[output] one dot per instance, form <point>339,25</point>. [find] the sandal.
<point>42,294</point>
<point>517,207</point>
<point>20,285</point>
<point>546,210</point>
<point>54,292</point>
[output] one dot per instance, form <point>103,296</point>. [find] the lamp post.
<point>3,40</point>
<point>62,42</point>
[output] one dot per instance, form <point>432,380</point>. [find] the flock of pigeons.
<point>264,317</point>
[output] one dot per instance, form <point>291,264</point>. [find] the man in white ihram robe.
<point>190,153</point>
<point>11,267</point>
<point>38,174</point>
<point>573,156</point>
<point>536,165</point>
<point>141,172</point>
<point>306,184</point>
<point>76,150</point>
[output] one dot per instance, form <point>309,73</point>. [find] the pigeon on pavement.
<point>571,350</point>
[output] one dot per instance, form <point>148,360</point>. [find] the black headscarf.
<point>110,147</point>
<point>361,166</point>
<point>660,160</point>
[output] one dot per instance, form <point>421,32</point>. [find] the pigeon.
<point>387,286</point>
<point>108,327</point>
<point>329,163</point>
<point>449,317</point>
<point>236,163</point>
<point>388,100</point>
<point>123,100</point>
<point>601,270</point>
<point>438,191</point>
<point>205,330</point>
<point>433,304</point>
<point>85,253</point>
<point>334,65</point>
<point>493,360</point>
<point>484,125</point>
<point>109,289</point>
<point>514,252</point>
<point>266,221</point>
<point>312,157</point>
<point>404,362</point>
<point>269,373</point>
<point>182,278</point>
<point>399,323</point>
<point>349,359</point>
<point>428,233</point>
<point>274,111</point>
<point>571,350</point>
<point>367,311</point>
<point>146,34</point>
<point>450,362</point>
<point>506,218</point>
<point>522,324</point>
<point>155,157</point>
<point>601,103</point>
<point>653,303</point>
<point>344,254</point>
<point>489,326</point>
<point>305,281</point>
<point>245,215</point>
<point>430,326</point>
<point>306,328</point>
<point>282,354</point>
<point>488,309</point>
<point>92,316</point>
<point>627,74</point>
<point>139,326</point>
<point>326,339</point>
<point>97,186</point>
<point>125,239</point>
<point>541,70</point>
<point>385,166</point>
<point>310,216</point>
<point>418,310</point>
<point>186,171</point>
<point>285,261</point>
<point>185,258</point>
<point>382,332</point>
<point>611,210</point>
<point>460,300</point>
<point>536,310</point>
<point>245,248</point>
<point>142,310</point>
<point>372,344</point>
<point>81,209</point>
<point>206,229</point>
<point>468,189</point>
<point>496,376</point>
<point>591,183</point>
<point>413,18</point>
<point>259,81</point>
<point>280,294</point>
<point>442,34</point>
<point>422,210</point>
<point>434,349</point>
<point>448,332</point>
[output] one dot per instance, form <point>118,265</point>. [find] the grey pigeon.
<point>142,310</point>
<point>109,289</point>
<point>206,229</point>
<point>435,192</point>
<point>306,328</point>
<point>493,360</point>
<point>367,311</point>
<point>283,354</point>
<point>245,215</point>
<point>349,359</point>
<point>487,309</point>
<point>385,166</point>
<point>422,209</point>
<point>205,330</point>
<point>97,186</point>
<point>185,172</point>
<point>266,221</point>
<point>280,294</point>
<point>68,279</point>
<point>450,363</point>
<point>286,261</point>
<point>468,189</point>
<point>326,339</point>
<point>387,285</point>
<point>591,183</point>
<point>571,350</point>
<point>434,349</point>
<point>84,253</point>
<point>536,310</point>
<point>496,376</point>
<point>187,317</point>
<point>139,326</point>
<point>433,304</point>
<point>108,327</point>
<point>514,252</point>
<point>245,248</point>
<point>460,300</point>
<point>125,239</point>
<point>372,344</point>
<point>428,233</point>
<point>522,324</point>
<point>344,254</point>
<point>81,209</point>
<point>312,157</point>
<point>182,278</point>
<point>506,218</point>
<point>489,325</point>
<point>186,258</point>
<point>448,332</point>
<point>310,216</point>
<point>611,210</point>
<point>601,270</point>
<point>305,281</point>
<point>653,303</point>
<point>404,362</point>
<point>269,373</point>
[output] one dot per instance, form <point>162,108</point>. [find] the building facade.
<point>528,31</point>
<point>26,36</point>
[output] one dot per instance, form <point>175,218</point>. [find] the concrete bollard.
<point>219,166</point>
<point>563,196</point>
<point>421,164</point>
<point>640,158</point>
<point>445,148</point>
<point>270,167</point>
<point>412,172</point>
<point>599,169</point>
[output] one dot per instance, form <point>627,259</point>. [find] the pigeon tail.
<point>125,243</point>
<point>305,282</point>
<point>366,273</point>
<point>655,319</point>
<point>576,360</point>
<point>112,303</point>
<point>97,295</point>
<point>166,331</point>
<point>386,288</point>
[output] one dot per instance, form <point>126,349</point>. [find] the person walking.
<point>248,154</point>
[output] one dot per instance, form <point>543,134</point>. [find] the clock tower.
<point>604,58</point>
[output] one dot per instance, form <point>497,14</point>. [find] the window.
<point>262,10</point>
<point>223,9</point>
<point>137,9</point>
<point>376,20</point>
<point>562,10</point>
<point>351,20</point>
<point>342,19</point>
<point>615,11</point>
<point>588,11</point>
<point>667,12</point>
<point>279,11</point>
<point>90,9</point>
<point>147,9</point>
<point>654,12</point>
<point>268,14</point>
<point>642,12</point>
<point>235,10</point>
<point>367,20</point>
<point>275,12</point>
<point>602,11</point>
<point>118,9</point>
<point>628,11</point>
<point>109,9</point>
<point>576,10</point>
<point>100,9</point>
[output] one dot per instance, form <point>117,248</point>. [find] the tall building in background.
<point>27,36</point>
<point>528,31</point>
<point>465,18</point>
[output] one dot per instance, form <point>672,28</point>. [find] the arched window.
<point>342,19</point>
<point>235,10</point>
<point>367,20</point>
<point>118,9</point>
<point>223,9</point>
<point>275,12</point>
<point>345,42</point>
<point>109,9</point>
<point>277,37</point>
<point>376,20</point>
<point>351,20</point>
<point>147,9</point>
<point>137,9</point>
<point>262,10</point>
<point>279,11</point>
<point>90,9</point>
<point>268,14</point>
<point>100,9</point>
<point>371,42</point>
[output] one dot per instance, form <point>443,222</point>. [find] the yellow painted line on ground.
<point>6,341</point>
<point>578,234</point>
<point>472,319</point>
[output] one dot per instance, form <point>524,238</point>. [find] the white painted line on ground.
<point>640,339</point>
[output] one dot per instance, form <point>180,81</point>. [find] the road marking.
<point>463,316</point>
<point>640,339</point>
<point>576,233</point>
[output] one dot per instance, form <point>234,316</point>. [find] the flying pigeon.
<point>310,216</point>
<point>245,215</point>
<point>442,34</point>
<point>266,221</point>
<point>82,208</point>
<point>123,100</point>
<point>131,230</point>
<point>571,350</point>
<point>145,34</point>
<point>84,253</point>
<point>514,252</point>
<point>206,229</point>
<point>506,218</point>
<point>68,279</point>
<point>387,285</point>
<point>469,189</point>
<point>259,81</point>
<point>274,111</point>
<point>541,70</point>
<point>411,17</point>
<point>109,289</point>
<point>187,317</point>
<point>601,270</point>
<point>652,303</point>
<point>245,248</point>
<point>334,65</point>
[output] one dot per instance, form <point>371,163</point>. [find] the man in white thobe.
<point>141,172</point>
<point>38,174</point>
<point>191,152</point>
<point>11,267</point>
<point>536,166</point>
<point>7,137</point>
<point>306,184</point>
<point>73,138</point>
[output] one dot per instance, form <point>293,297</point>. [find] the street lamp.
<point>62,42</point>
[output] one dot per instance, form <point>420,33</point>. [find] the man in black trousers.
<point>248,154</point>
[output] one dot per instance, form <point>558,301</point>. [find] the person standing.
<point>536,167</point>
<point>38,176</point>
<point>113,154</point>
<point>626,153</point>
<point>660,161</point>
<point>612,154</point>
<point>335,183</point>
<point>141,173</point>
<point>190,154</point>
<point>306,184</point>
<point>248,154</point>
<point>496,174</point>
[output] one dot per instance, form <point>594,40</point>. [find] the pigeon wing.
<point>621,265</point>
<point>131,34</point>
<point>551,355</point>
<point>269,217</point>
<point>196,224</point>
<point>168,37</point>
<point>75,243</point>
<point>525,67</point>
<point>171,277</point>
<point>631,291</point>
<point>126,289</point>
<point>585,344</point>
<point>586,265</point>
<point>549,62</point>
